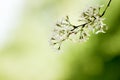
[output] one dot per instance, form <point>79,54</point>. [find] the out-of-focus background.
<point>25,54</point>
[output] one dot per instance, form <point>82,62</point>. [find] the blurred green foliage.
<point>29,57</point>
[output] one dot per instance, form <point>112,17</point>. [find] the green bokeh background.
<point>28,56</point>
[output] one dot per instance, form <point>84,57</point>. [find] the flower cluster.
<point>90,21</point>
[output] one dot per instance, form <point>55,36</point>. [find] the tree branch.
<point>106,8</point>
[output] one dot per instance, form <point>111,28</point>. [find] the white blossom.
<point>92,21</point>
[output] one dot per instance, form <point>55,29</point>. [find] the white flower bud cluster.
<point>91,21</point>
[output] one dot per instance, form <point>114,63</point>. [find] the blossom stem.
<point>106,8</point>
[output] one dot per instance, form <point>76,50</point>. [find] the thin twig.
<point>106,8</point>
